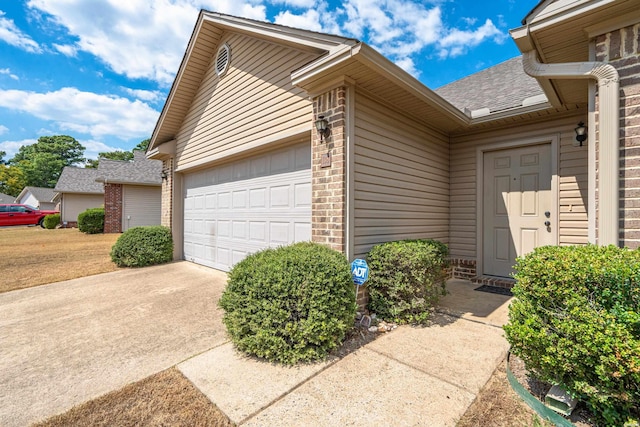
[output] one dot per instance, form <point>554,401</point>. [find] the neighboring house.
<point>78,191</point>
<point>38,197</point>
<point>132,192</point>
<point>490,164</point>
<point>6,199</point>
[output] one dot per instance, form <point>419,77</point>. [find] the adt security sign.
<point>359,271</point>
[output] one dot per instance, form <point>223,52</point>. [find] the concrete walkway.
<point>66,343</point>
<point>411,376</point>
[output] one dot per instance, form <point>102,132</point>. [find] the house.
<point>38,197</point>
<point>78,191</point>
<point>128,190</point>
<point>132,192</point>
<point>538,150</point>
<point>5,199</point>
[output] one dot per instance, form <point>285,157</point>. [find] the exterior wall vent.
<point>222,59</point>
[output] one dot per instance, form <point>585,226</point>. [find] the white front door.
<point>518,208</point>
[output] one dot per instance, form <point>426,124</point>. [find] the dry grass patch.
<point>497,405</point>
<point>32,256</point>
<point>164,399</point>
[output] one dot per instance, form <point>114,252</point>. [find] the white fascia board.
<point>376,61</point>
<point>565,10</point>
<point>380,63</point>
<point>307,38</point>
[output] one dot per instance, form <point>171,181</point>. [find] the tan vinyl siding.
<point>252,103</point>
<point>74,204</point>
<point>141,206</point>
<point>572,182</point>
<point>401,178</point>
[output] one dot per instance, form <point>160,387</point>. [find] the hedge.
<point>290,304</point>
<point>142,246</point>
<point>406,279</point>
<point>576,322</point>
<point>91,221</point>
<point>51,221</point>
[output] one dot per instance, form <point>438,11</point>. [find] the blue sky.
<point>100,70</point>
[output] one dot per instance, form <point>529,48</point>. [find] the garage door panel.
<point>248,206</point>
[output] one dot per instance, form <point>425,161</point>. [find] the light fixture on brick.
<point>163,175</point>
<point>322,126</point>
<point>581,134</point>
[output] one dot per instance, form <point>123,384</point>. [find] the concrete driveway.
<point>68,342</point>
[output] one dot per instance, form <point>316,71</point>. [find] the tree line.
<point>40,164</point>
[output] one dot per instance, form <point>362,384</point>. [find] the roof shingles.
<point>79,180</point>
<point>497,88</point>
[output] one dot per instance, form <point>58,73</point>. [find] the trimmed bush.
<point>576,322</point>
<point>290,304</point>
<point>406,279</point>
<point>51,221</point>
<point>142,246</point>
<point>91,221</point>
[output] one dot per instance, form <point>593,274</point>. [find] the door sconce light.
<point>322,126</point>
<point>581,134</point>
<point>163,175</point>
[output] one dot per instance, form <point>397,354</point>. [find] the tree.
<point>118,154</point>
<point>143,145</point>
<point>42,163</point>
<point>12,180</point>
<point>2,154</point>
<point>111,155</point>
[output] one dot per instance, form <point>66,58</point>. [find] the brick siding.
<point>166,215</point>
<point>621,49</point>
<point>328,184</point>
<point>113,208</point>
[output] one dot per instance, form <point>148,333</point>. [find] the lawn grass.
<point>32,256</point>
<point>163,399</point>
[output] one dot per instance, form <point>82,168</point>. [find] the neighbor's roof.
<point>497,88</point>
<point>79,180</point>
<point>5,198</point>
<point>140,171</point>
<point>40,193</point>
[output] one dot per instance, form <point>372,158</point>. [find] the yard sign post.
<point>359,271</point>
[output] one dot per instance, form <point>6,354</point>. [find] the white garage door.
<point>239,208</point>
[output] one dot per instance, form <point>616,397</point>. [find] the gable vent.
<point>222,60</point>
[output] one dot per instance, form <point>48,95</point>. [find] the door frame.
<point>554,140</point>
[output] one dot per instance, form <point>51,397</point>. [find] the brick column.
<point>166,215</point>
<point>328,171</point>
<point>113,208</point>
<point>621,49</point>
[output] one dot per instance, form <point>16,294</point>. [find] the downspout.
<point>609,121</point>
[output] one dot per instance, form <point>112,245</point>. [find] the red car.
<point>22,215</point>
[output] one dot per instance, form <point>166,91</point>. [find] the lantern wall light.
<point>581,134</point>
<point>322,126</point>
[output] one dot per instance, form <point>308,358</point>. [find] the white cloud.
<point>66,49</point>
<point>309,20</point>
<point>144,95</point>
<point>11,34</point>
<point>94,147</point>
<point>8,72</point>
<point>138,38</point>
<point>456,42</point>
<point>12,147</point>
<point>85,112</point>
<point>409,66</point>
<point>296,3</point>
<point>3,129</point>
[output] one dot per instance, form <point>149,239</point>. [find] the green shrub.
<point>294,303</point>
<point>51,221</point>
<point>576,322</point>
<point>406,279</point>
<point>91,221</point>
<point>142,246</point>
